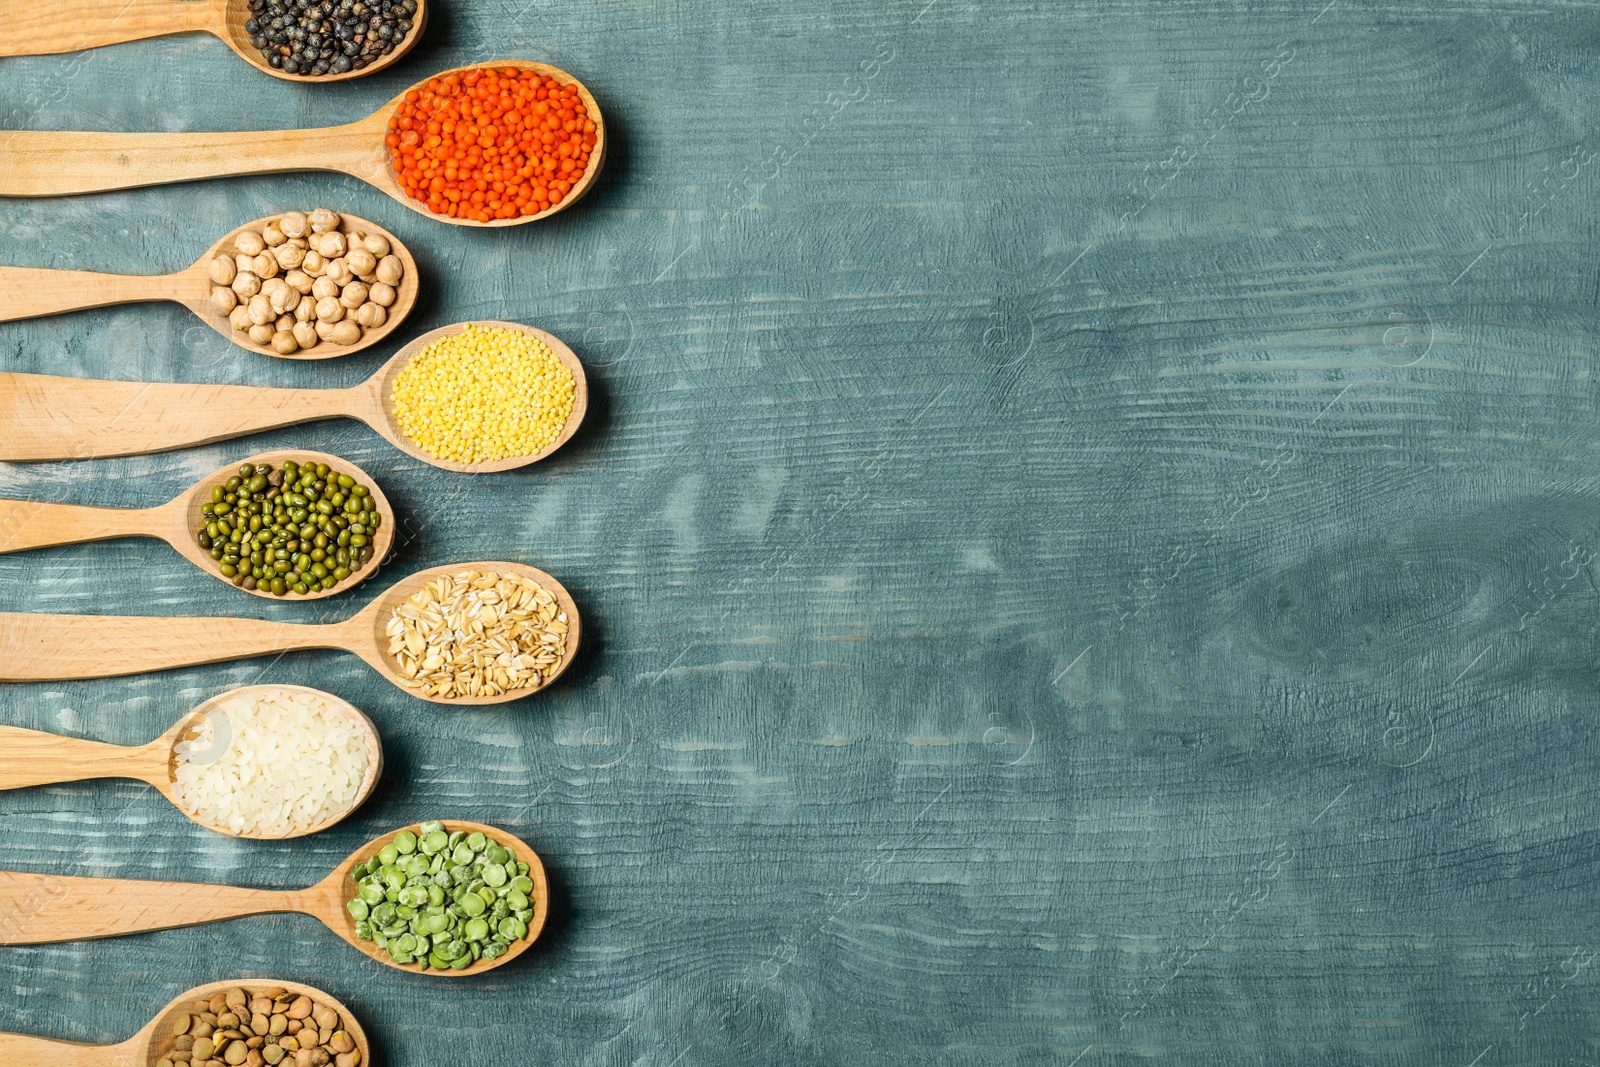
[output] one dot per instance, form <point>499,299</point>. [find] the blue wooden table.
<point>1086,534</point>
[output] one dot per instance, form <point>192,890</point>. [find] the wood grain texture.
<point>50,417</point>
<point>995,556</point>
<point>73,25</point>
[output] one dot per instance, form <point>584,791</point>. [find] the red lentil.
<point>487,144</point>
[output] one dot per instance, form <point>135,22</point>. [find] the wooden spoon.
<point>40,29</point>
<point>28,292</point>
<point>34,757</point>
<point>28,524</point>
<point>47,163</point>
<point>45,417</point>
<point>144,1048</point>
<point>38,647</point>
<point>37,909</point>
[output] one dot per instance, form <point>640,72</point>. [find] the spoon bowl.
<point>382,387</point>
<point>144,1049</point>
<point>34,757</point>
<point>28,29</point>
<point>188,545</point>
<point>48,163</point>
<point>27,524</point>
<point>346,927</point>
<point>233,33</point>
<point>388,180</point>
<point>37,909</point>
<point>29,292</point>
<point>38,647</point>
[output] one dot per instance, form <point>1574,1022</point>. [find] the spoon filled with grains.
<point>498,144</point>
<point>440,898</point>
<point>472,633</point>
<point>475,398</point>
<point>299,524</point>
<point>284,1024</point>
<point>298,285</point>
<point>267,762</point>
<point>298,40</point>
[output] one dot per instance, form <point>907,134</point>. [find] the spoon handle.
<point>31,524</point>
<point>34,757</point>
<point>41,29</point>
<point>37,647</point>
<point>44,417</point>
<point>28,292</point>
<point>39,909</point>
<point>24,1050</point>
<point>47,163</point>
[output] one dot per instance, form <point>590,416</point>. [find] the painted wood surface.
<point>1086,528</point>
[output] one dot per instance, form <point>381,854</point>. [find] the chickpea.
<point>222,270</point>
<point>354,295</point>
<point>285,343</point>
<point>329,310</point>
<point>239,317</point>
<point>246,284</point>
<point>324,287</point>
<point>305,334</point>
<point>250,243</point>
<point>282,298</point>
<point>361,261</point>
<point>371,315</point>
<point>260,310</point>
<point>306,310</point>
<point>377,244</point>
<point>223,300</point>
<point>314,264</point>
<point>285,322</point>
<point>289,256</point>
<point>323,220</point>
<point>390,270</point>
<point>381,294</point>
<point>331,245</point>
<point>265,265</point>
<point>299,281</point>
<point>340,272</point>
<point>347,332</point>
<point>262,334</point>
<point>325,332</point>
<point>244,262</point>
<point>354,238</point>
<point>294,224</point>
<point>273,235</point>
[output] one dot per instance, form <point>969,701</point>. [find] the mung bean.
<point>296,528</point>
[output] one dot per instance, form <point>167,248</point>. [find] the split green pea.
<point>443,900</point>
<point>302,528</point>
